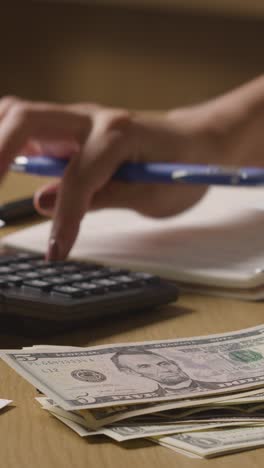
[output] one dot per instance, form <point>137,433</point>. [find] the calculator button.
<point>90,288</point>
<point>40,263</point>
<point>70,278</point>
<point>126,280</point>
<point>6,259</point>
<point>107,283</point>
<point>56,280</point>
<point>5,270</point>
<point>117,271</point>
<point>3,283</point>
<point>67,268</point>
<point>146,277</point>
<point>61,263</point>
<point>28,275</point>
<point>13,280</point>
<point>49,271</point>
<point>94,274</point>
<point>37,284</point>
<point>25,256</point>
<point>21,267</point>
<point>82,266</point>
<point>68,291</point>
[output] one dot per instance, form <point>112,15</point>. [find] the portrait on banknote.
<point>167,372</point>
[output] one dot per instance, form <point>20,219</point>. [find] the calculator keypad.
<point>69,279</point>
<point>58,295</point>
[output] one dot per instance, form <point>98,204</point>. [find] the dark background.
<point>131,57</point>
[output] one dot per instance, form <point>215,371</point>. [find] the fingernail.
<point>53,250</point>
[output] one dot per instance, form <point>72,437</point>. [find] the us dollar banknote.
<point>257,397</point>
<point>216,442</point>
<point>129,430</point>
<point>99,417</point>
<point>145,372</point>
<point>125,433</point>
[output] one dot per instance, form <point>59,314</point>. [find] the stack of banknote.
<point>200,396</point>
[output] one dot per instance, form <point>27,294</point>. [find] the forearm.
<point>234,123</point>
<point>226,130</point>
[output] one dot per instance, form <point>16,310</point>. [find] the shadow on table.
<point>13,336</point>
<point>128,445</point>
<point>7,409</point>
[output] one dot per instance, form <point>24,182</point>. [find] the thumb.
<point>45,199</point>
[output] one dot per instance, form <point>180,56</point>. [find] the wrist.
<point>227,130</point>
<point>233,125</point>
<point>176,136</point>
<point>184,135</point>
<point>247,124</point>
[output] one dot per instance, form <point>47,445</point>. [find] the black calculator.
<point>63,295</point>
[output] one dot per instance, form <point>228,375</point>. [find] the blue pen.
<point>151,172</point>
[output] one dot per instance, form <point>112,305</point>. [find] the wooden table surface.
<point>31,438</point>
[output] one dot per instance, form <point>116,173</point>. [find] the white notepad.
<point>215,247</point>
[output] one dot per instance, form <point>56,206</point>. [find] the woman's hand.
<point>98,140</point>
<point>226,130</point>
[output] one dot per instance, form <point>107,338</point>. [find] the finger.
<point>31,148</point>
<point>24,122</point>
<point>45,199</point>
<point>59,149</point>
<point>84,176</point>
<point>6,103</point>
<point>71,202</point>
